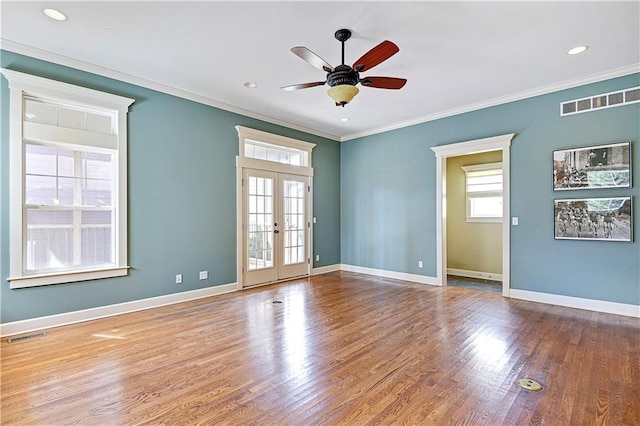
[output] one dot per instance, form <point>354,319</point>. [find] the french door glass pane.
<point>294,240</point>
<point>260,235</point>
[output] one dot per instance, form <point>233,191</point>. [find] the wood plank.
<point>342,348</point>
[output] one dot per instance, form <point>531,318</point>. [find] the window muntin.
<point>483,187</point>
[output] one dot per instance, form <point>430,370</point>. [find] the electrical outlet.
<point>179,279</point>
<point>420,264</point>
<point>204,275</point>
<point>317,257</point>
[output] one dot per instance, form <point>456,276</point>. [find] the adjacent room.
<point>319,212</point>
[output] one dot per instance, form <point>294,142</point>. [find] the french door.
<point>275,226</point>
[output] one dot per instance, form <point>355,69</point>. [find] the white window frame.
<point>24,85</point>
<point>485,194</point>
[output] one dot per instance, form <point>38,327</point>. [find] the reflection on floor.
<point>474,284</point>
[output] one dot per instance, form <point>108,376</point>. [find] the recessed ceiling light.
<point>577,50</point>
<point>250,85</point>
<point>55,14</point>
<point>344,119</point>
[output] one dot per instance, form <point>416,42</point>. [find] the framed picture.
<point>606,219</point>
<point>603,166</point>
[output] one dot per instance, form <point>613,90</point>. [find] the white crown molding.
<point>40,323</point>
<point>569,84</point>
<point>159,87</point>
<point>107,72</point>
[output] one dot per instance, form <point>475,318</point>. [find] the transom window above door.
<point>275,153</point>
<point>268,151</point>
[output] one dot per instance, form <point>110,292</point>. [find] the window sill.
<point>484,220</point>
<point>67,277</point>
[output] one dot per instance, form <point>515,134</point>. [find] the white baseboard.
<point>33,324</point>
<point>326,269</point>
<point>577,302</point>
<point>422,279</point>
<point>475,274</point>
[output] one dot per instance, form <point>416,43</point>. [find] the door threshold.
<point>275,282</point>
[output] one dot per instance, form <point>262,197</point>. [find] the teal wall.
<point>388,198</point>
<point>182,197</point>
<point>374,197</point>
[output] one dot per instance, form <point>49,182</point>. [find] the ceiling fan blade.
<point>302,86</point>
<point>312,58</point>
<point>383,82</point>
<point>378,54</point>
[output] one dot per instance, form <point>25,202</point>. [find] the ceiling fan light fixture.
<point>342,94</point>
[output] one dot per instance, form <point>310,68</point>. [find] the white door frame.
<point>495,143</point>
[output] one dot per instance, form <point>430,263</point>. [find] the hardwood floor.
<point>341,348</point>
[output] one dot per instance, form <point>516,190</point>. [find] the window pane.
<point>275,153</point>
<point>97,238</point>
<point>40,190</point>
<point>65,162</point>
<point>49,239</point>
<point>96,193</point>
<point>97,166</point>
<point>40,160</point>
<point>40,112</point>
<point>485,207</point>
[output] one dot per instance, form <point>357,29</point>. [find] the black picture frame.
<point>599,166</point>
<point>601,219</point>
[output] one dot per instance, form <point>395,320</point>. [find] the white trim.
<point>272,166</point>
<point>67,277</point>
<point>159,87</point>
<point>578,303</point>
<point>474,274</point>
<point>33,324</point>
<point>272,138</point>
<point>568,84</point>
<point>326,269</point>
<point>422,279</point>
<point>494,143</point>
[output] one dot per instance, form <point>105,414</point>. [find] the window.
<point>68,162</point>
<point>484,192</point>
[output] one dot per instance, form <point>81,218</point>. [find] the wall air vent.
<point>605,100</point>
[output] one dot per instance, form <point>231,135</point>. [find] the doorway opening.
<point>500,144</point>
<point>474,221</point>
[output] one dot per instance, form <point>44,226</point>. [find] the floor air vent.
<point>26,337</point>
<point>605,100</point>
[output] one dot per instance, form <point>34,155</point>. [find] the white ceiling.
<point>457,56</point>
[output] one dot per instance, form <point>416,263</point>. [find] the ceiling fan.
<point>343,79</point>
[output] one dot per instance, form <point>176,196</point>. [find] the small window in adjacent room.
<point>484,192</point>
<point>68,191</point>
